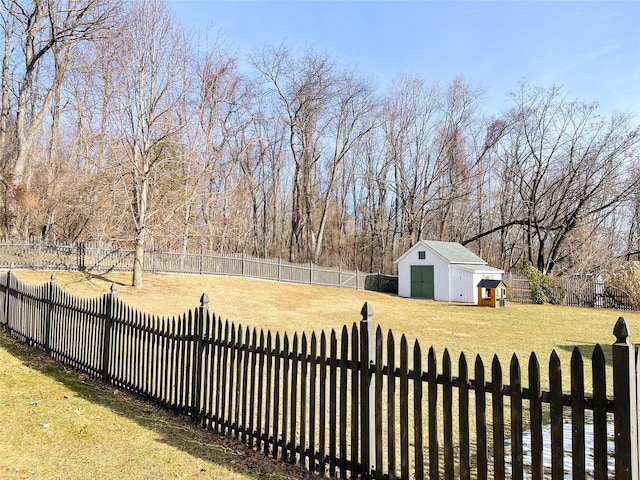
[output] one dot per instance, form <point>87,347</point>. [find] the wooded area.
<point>119,125</point>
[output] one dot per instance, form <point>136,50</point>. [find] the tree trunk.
<point>4,103</point>
<point>138,258</point>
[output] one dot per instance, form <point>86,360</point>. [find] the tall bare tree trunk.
<point>138,258</point>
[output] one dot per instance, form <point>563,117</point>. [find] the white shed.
<point>445,271</point>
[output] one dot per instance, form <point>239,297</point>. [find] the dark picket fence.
<point>347,404</point>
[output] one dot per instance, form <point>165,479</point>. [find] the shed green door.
<point>422,281</point>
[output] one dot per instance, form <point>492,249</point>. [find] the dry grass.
<point>84,418</point>
<point>283,307</point>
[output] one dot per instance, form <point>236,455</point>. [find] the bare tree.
<point>351,120</point>
<point>8,28</point>
<point>45,30</point>
<point>372,195</point>
<point>147,86</point>
<point>325,111</point>
<point>207,115</point>
<point>570,170</point>
<point>410,123</point>
<point>458,150</point>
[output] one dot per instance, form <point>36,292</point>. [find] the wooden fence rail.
<point>347,404</point>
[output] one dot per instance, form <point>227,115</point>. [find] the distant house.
<point>445,271</point>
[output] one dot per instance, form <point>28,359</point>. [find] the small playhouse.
<point>447,271</point>
<point>492,293</point>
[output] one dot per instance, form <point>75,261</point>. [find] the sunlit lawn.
<point>518,328</point>
<point>72,416</point>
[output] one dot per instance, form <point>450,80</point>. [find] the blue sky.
<point>592,48</point>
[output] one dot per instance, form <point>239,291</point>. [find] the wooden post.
<point>153,255</point>
<point>310,273</point>
<point>625,404</point>
<point>47,326</point>
<point>6,300</point>
<point>340,276</point>
<point>357,280</point>
<point>196,391</point>
<point>367,391</point>
<point>109,312</point>
<point>279,268</point>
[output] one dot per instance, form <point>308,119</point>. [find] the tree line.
<point>117,124</point>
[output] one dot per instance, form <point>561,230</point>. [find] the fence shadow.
<point>173,430</point>
<point>89,277</point>
<point>586,350</point>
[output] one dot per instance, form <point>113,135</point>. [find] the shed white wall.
<point>440,272</point>
<point>440,278</point>
<point>465,283</point>
<point>462,287</point>
<point>404,279</point>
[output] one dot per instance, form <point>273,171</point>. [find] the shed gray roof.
<point>490,283</point>
<point>454,252</point>
<point>473,268</point>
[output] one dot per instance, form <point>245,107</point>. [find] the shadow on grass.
<point>586,350</point>
<point>89,277</point>
<point>173,430</point>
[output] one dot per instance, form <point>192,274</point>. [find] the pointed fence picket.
<point>348,404</point>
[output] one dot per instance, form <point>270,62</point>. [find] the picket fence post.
<point>196,392</point>
<point>625,404</point>
<point>109,307</point>
<point>47,327</point>
<point>367,391</point>
<point>6,300</point>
